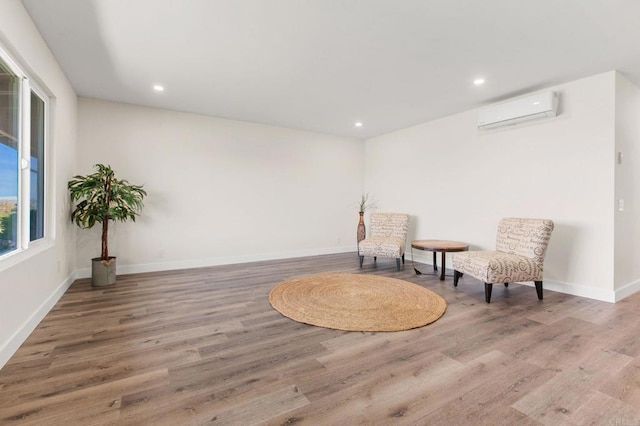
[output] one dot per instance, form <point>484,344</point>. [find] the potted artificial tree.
<point>101,198</point>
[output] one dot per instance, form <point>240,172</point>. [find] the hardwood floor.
<point>203,346</point>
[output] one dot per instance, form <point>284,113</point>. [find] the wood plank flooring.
<point>203,346</point>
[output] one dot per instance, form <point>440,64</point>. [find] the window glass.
<point>36,201</point>
<point>9,170</point>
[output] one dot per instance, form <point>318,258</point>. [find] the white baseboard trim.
<point>627,290</point>
<point>20,336</point>
<point>601,294</point>
<point>426,257</point>
<point>217,261</point>
<point>604,295</point>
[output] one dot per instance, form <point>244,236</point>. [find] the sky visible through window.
<point>8,197</point>
<point>8,172</point>
<point>8,175</point>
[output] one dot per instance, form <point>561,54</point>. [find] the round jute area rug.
<point>356,302</point>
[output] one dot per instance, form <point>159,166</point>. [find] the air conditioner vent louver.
<point>532,107</point>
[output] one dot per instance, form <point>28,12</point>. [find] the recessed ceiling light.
<point>158,88</point>
<point>478,81</point>
<point>358,124</point>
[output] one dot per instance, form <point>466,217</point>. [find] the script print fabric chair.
<point>388,237</point>
<point>521,245</point>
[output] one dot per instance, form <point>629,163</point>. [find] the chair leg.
<point>403,258</point>
<point>398,263</point>
<point>487,292</point>
<point>506,284</point>
<point>435,265</point>
<point>361,259</point>
<point>456,276</point>
<point>375,258</point>
<point>539,289</point>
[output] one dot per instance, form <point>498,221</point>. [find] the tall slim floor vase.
<point>362,232</point>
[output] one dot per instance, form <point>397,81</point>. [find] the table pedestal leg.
<point>413,264</point>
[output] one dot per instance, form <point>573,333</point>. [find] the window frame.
<point>36,90</point>
<point>24,243</point>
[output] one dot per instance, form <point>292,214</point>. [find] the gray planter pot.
<point>103,272</point>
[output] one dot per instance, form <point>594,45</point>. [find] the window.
<point>36,181</point>
<point>9,137</point>
<point>22,159</point>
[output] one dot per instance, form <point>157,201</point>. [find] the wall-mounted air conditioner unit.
<point>532,107</point>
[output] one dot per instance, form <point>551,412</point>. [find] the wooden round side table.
<point>435,246</point>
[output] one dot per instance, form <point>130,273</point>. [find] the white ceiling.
<point>322,65</point>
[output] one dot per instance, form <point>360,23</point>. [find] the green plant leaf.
<point>101,197</point>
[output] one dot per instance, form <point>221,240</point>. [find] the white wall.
<point>627,187</point>
<point>32,281</point>
<point>457,182</point>
<point>220,191</point>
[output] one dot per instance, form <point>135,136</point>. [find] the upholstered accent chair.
<point>521,245</point>
<point>387,237</point>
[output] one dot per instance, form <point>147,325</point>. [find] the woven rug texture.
<point>357,302</point>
